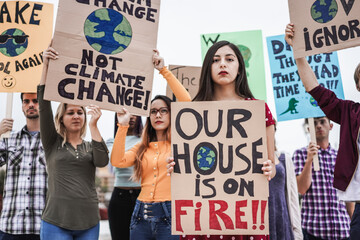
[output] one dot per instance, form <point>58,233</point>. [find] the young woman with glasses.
<point>151,218</point>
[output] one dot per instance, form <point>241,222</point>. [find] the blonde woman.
<point>71,210</point>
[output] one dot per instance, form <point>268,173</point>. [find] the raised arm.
<point>307,75</point>
<point>176,87</point>
<point>48,132</point>
<point>47,126</point>
<point>120,158</point>
<point>100,151</point>
<point>95,113</point>
<point>49,53</point>
<point>305,177</point>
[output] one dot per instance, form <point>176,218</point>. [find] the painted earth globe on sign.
<point>323,11</point>
<point>246,53</point>
<point>313,102</point>
<point>107,31</point>
<point>205,158</point>
<point>13,42</point>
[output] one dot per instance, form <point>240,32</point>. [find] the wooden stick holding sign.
<point>9,104</point>
<point>313,139</point>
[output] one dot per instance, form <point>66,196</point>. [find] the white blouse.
<point>352,193</point>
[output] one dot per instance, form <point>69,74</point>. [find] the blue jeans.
<point>7,236</point>
<point>151,221</point>
<point>355,223</point>
<point>49,231</point>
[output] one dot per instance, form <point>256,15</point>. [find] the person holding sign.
<point>71,210</point>
<point>223,77</point>
<point>331,220</point>
<point>151,217</point>
<point>347,114</point>
<point>125,191</point>
<point>26,176</point>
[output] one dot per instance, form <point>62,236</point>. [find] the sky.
<point>180,26</point>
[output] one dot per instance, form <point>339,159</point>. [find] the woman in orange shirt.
<point>151,218</point>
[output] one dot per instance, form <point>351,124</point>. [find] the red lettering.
<point>178,212</point>
<point>240,224</point>
<point>213,221</point>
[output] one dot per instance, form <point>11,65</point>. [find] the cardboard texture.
<point>291,99</point>
<point>217,186</point>
<point>25,32</point>
<point>250,44</point>
<point>105,54</point>
<point>189,77</point>
<point>324,25</point>
<point>312,131</point>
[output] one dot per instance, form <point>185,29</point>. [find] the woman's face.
<point>132,122</point>
<point>225,66</point>
<point>159,115</point>
<point>74,118</point>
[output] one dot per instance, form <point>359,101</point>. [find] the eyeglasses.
<point>162,111</point>
<point>18,39</point>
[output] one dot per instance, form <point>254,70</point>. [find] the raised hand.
<point>95,113</point>
<point>123,117</point>
<point>289,33</point>
<point>49,53</point>
<point>312,149</point>
<point>6,125</point>
<point>158,61</point>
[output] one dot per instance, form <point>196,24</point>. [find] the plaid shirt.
<point>25,183</point>
<point>322,214</point>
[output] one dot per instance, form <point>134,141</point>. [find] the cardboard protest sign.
<point>324,25</point>
<point>217,186</point>
<point>25,32</point>
<point>189,77</point>
<point>291,99</point>
<point>106,50</point>
<point>250,44</point>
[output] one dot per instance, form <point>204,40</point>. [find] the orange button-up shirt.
<point>155,184</point>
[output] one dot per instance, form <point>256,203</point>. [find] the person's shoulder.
<point>302,150</point>
<point>333,151</point>
<point>19,133</point>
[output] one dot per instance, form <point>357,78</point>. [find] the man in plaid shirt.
<point>26,177</point>
<point>323,215</point>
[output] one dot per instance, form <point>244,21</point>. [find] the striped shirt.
<point>25,183</point>
<point>322,214</point>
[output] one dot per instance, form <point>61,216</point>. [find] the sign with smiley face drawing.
<point>25,32</point>
<point>8,82</point>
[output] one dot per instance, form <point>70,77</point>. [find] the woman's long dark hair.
<point>149,135</point>
<point>206,85</point>
<point>137,128</point>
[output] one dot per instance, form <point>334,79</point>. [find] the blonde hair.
<point>59,125</point>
